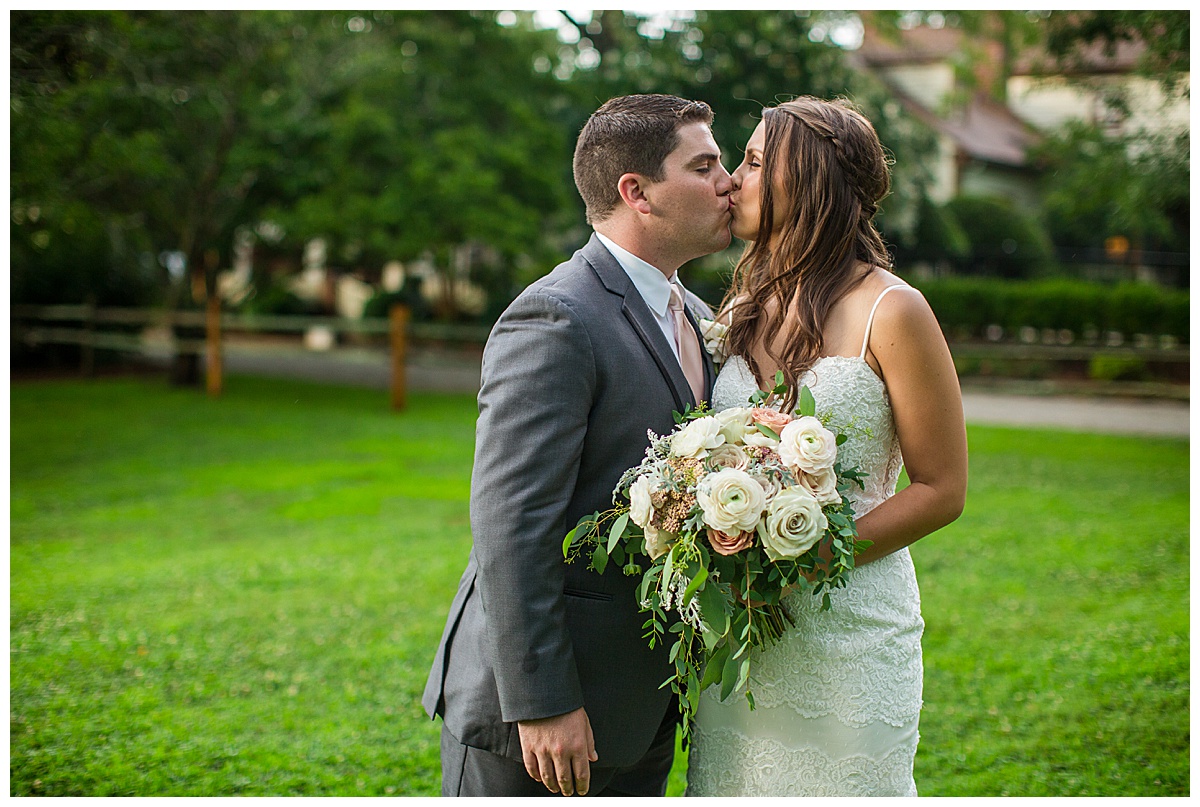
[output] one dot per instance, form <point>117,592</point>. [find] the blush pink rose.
<point>724,544</point>
<point>775,421</point>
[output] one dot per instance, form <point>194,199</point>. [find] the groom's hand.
<point>559,750</point>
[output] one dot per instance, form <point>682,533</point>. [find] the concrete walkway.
<point>1162,418</point>
<point>449,370</point>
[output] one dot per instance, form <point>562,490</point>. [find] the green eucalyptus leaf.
<point>693,586</point>
<point>618,530</point>
<point>693,691</point>
<point>570,539</point>
<point>767,430</point>
<point>714,666</point>
<point>599,559</point>
<point>712,609</point>
<point>729,674</point>
<point>743,674</point>
<point>808,404</point>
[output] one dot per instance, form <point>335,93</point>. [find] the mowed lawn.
<point>242,596</point>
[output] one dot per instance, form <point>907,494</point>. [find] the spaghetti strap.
<point>870,319</point>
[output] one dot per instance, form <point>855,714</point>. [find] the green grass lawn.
<point>243,596</point>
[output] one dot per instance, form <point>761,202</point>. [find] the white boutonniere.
<point>714,339</point>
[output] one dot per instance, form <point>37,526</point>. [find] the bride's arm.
<point>922,385</point>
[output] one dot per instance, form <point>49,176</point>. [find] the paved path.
<point>1166,418</point>
<point>458,371</point>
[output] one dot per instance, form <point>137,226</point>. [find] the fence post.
<point>87,346</point>
<point>212,333</point>
<point>398,316</point>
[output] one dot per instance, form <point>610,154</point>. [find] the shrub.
<point>1109,367</point>
<point>966,306</point>
<point>1003,241</point>
<point>938,237</point>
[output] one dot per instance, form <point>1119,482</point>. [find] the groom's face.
<point>691,202</point>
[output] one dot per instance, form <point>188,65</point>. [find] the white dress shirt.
<point>652,285</point>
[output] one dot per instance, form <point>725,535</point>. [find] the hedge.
<point>967,306</point>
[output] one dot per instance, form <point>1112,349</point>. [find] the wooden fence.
<point>121,329</point>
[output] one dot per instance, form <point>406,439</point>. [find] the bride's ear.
<point>632,188</point>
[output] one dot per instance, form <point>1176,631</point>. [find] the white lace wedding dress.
<point>838,698</point>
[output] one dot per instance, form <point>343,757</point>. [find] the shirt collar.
<point>650,282</point>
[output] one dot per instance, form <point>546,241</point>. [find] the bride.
<point>839,697</point>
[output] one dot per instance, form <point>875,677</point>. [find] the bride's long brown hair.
<point>833,172</point>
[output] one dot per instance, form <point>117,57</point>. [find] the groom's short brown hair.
<point>630,134</point>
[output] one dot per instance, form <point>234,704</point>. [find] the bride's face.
<point>746,198</point>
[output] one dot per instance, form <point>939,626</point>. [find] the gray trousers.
<point>468,771</point>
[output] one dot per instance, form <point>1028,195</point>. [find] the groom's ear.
<point>632,188</point>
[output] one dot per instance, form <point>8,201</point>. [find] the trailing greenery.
<point>243,596</point>
<point>966,306</point>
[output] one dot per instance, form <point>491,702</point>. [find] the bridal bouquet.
<point>725,515</point>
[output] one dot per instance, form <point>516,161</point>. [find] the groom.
<point>543,680</point>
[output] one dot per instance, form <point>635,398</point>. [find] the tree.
<point>434,135</point>
<point>1098,186</point>
<point>150,121</point>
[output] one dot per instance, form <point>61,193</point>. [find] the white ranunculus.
<point>794,524</point>
<point>822,484</point>
<point>658,542</point>
<point>641,509</point>
<point>806,444</point>
<point>756,438</point>
<point>731,500</point>
<point>734,423</point>
<point>697,438</point>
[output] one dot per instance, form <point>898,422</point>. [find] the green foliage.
<point>937,239</point>
<point>1109,367</point>
<point>1003,241</point>
<point>969,305</point>
<point>1163,35</point>
<point>206,600</point>
<point>1097,185</point>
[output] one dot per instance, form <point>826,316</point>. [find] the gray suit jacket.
<point>574,373</point>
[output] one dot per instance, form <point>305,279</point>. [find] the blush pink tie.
<point>691,358</point>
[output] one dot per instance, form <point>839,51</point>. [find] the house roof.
<point>983,129</point>
<point>923,44</point>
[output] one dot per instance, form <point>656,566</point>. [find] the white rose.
<point>806,444</point>
<point>728,456</point>
<point>794,524</point>
<point>714,338</point>
<point>641,509</point>
<point>658,542</point>
<point>822,484</point>
<point>735,422</point>
<point>697,438</point>
<point>732,501</point>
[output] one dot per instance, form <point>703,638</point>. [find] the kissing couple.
<point>542,678</point>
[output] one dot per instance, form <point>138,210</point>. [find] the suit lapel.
<point>641,319</point>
